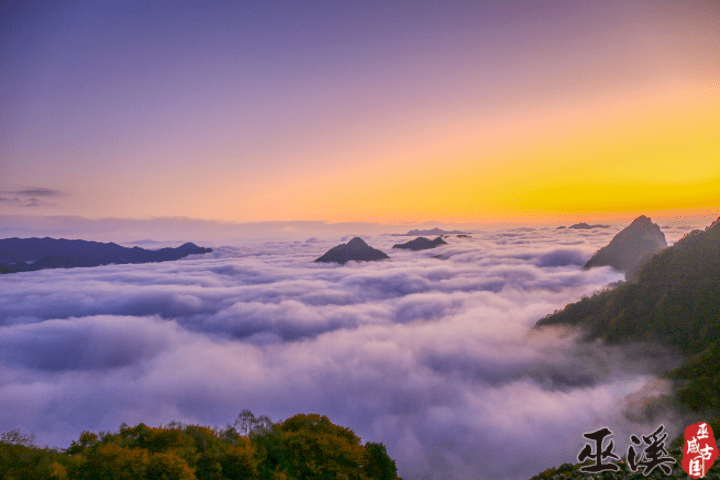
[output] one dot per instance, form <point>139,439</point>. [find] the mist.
<point>434,357</point>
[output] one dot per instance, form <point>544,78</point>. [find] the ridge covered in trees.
<point>675,302</point>
<point>31,254</point>
<point>303,447</point>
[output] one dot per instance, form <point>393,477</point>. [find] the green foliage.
<point>700,390</point>
<point>309,446</point>
<point>303,447</point>
<point>378,464</point>
<point>111,462</point>
<point>240,460</point>
<point>20,461</point>
<point>86,441</point>
<point>168,466</point>
<point>676,302</point>
<point>316,448</point>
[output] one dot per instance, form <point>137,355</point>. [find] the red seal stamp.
<point>700,450</point>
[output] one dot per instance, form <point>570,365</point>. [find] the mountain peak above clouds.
<point>421,243</point>
<point>587,226</point>
<point>631,247</point>
<point>357,243</point>
<point>356,249</point>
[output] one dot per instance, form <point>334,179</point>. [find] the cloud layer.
<point>433,357</point>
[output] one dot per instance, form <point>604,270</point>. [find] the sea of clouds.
<point>434,357</point>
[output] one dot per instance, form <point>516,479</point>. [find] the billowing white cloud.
<point>435,357</point>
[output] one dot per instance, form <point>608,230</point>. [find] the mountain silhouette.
<point>673,302</point>
<point>432,232</point>
<point>356,249</point>
<point>631,247</point>
<point>30,254</point>
<point>585,226</point>
<point>421,243</point>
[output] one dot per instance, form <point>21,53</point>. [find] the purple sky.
<point>313,122</point>
<point>357,112</point>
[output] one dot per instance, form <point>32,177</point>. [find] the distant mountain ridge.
<point>586,226</point>
<point>431,233</point>
<point>421,243</point>
<point>30,254</point>
<point>631,247</point>
<point>356,249</point>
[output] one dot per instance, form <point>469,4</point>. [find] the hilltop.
<point>631,247</point>
<point>586,226</point>
<point>421,243</point>
<point>254,448</point>
<point>431,233</point>
<point>674,301</point>
<point>30,254</point>
<point>356,249</point>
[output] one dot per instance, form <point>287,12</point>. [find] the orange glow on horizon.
<point>630,154</point>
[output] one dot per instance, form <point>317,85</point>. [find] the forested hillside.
<point>675,301</point>
<point>303,447</point>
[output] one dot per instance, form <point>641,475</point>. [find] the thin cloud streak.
<point>30,198</point>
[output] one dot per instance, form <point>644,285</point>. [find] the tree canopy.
<point>303,447</point>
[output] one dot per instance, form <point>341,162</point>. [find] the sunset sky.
<point>383,111</point>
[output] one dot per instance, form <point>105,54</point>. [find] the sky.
<point>374,111</point>
<point>272,131</point>
<point>434,357</point>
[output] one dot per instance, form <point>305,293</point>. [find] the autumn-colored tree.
<point>110,462</point>
<point>239,461</point>
<point>303,447</point>
<point>20,459</point>
<point>209,451</point>
<point>168,466</point>
<point>82,444</point>
<point>315,448</point>
<point>155,439</point>
<point>378,464</point>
